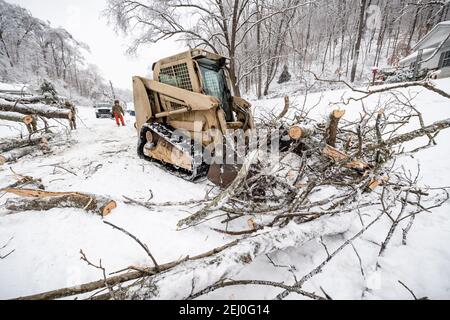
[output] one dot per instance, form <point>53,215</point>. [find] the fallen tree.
<point>40,200</point>
<point>14,143</point>
<point>37,143</point>
<point>18,153</point>
<point>432,129</point>
<point>196,275</point>
<point>16,117</point>
<point>227,260</point>
<point>36,109</point>
<point>22,99</point>
<point>119,279</point>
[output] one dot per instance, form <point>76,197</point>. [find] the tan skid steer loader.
<point>189,103</point>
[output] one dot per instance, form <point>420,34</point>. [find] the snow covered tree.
<point>32,50</point>
<point>224,27</point>
<point>48,91</point>
<point>285,75</point>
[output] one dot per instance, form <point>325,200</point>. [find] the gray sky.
<point>83,18</point>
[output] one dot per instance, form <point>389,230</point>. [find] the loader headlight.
<point>196,53</point>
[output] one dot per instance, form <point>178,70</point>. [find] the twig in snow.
<point>81,120</point>
<point>324,246</point>
<point>325,293</point>
<point>144,246</point>
<point>277,265</point>
<point>58,166</point>
<point>409,290</point>
<point>4,246</point>
<point>151,206</point>
<point>319,268</point>
<point>230,283</point>
<point>100,267</point>
<point>407,229</point>
<point>151,195</point>
<point>359,259</point>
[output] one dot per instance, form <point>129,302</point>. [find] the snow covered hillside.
<point>103,161</point>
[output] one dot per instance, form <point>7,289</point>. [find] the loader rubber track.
<point>181,143</point>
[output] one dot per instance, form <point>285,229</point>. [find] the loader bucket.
<point>142,103</point>
<point>223,175</point>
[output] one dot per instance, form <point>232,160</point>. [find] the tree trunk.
<point>16,154</point>
<point>259,53</point>
<point>14,143</point>
<point>23,100</point>
<point>381,39</point>
<point>16,117</point>
<point>298,132</point>
<point>326,51</point>
<point>38,200</point>
<point>413,28</point>
<point>308,37</point>
<point>344,23</point>
<point>332,129</point>
<point>358,39</point>
<point>36,109</point>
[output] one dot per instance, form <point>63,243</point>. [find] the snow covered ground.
<point>104,161</point>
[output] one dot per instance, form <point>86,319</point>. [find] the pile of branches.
<point>30,111</point>
<point>336,172</point>
<point>341,161</point>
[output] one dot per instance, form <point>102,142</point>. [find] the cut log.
<point>339,156</point>
<point>32,127</point>
<point>14,143</point>
<point>39,200</point>
<point>36,109</point>
<point>375,183</point>
<point>16,154</point>
<point>333,124</point>
<point>298,132</point>
<point>16,117</point>
<point>27,99</point>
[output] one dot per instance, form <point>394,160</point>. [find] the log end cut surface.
<point>110,206</point>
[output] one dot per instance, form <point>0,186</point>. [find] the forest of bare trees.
<point>340,39</point>
<point>32,51</point>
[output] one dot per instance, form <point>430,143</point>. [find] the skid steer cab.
<point>185,112</point>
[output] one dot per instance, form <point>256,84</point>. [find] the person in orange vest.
<point>118,113</point>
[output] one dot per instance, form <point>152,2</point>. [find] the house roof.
<point>430,44</point>
<point>427,53</point>
<point>438,34</point>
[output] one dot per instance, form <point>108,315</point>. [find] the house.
<point>431,53</point>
